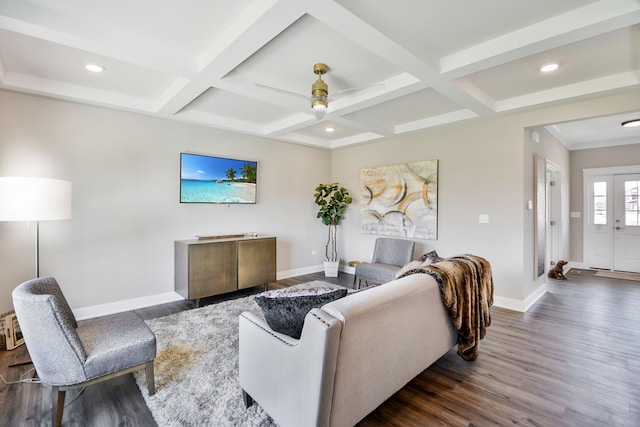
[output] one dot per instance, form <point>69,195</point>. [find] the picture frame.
<point>12,332</point>
<point>217,180</point>
<point>400,200</point>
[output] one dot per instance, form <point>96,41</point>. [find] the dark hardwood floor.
<point>572,360</point>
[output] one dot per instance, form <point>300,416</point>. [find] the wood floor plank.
<point>572,360</point>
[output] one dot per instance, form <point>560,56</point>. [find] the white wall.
<point>125,173</point>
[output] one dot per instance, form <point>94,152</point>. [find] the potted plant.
<point>333,200</point>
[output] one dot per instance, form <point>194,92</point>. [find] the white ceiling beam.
<point>71,92</point>
<point>103,42</point>
<point>258,25</point>
<point>586,88</point>
<point>352,26</point>
<point>220,122</point>
<point>355,139</point>
<point>262,21</point>
<point>442,119</point>
<point>588,21</point>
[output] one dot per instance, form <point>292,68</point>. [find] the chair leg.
<point>57,406</point>
<point>151,382</point>
<point>248,400</point>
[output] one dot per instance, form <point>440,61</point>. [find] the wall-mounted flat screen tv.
<point>208,179</point>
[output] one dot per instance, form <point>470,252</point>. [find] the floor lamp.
<point>34,199</point>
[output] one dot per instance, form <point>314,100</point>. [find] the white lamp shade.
<point>34,199</point>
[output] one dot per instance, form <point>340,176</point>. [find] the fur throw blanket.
<point>466,288</point>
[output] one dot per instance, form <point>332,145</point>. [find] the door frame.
<point>554,213</point>
<point>586,175</point>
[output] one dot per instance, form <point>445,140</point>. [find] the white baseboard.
<point>520,305</point>
<point>313,269</point>
<point>151,300</point>
<point>125,305</point>
<point>535,296</point>
<point>509,303</point>
<point>299,272</point>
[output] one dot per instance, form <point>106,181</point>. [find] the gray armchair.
<point>389,255</point>
<point>69,355</point>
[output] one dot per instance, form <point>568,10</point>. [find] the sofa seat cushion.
<point>285,309</point>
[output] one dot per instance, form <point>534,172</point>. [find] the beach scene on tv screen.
<point>207,179</point>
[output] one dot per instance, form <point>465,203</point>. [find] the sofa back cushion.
<point>390,334</point>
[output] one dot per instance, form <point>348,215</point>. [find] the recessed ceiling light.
<point>547,68</point>
<point>329,129</point>
<point>94,68</point>
<point>631,123</point>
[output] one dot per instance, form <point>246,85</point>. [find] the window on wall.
<point>600,203</point>
<point>631,211</point>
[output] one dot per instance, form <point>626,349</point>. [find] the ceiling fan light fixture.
<point>319,90</point>
<point>631,123</point>
<point>319,104</point>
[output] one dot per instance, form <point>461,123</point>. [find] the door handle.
<point>619,228</point>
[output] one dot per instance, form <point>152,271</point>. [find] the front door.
<point>626,223</point>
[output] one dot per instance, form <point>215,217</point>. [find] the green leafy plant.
<point>333,200</point>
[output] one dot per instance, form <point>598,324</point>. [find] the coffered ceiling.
<point>414,64</point>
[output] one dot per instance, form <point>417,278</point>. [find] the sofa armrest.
<point>291,379</point>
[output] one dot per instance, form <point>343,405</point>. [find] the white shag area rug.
<point>196,367</point>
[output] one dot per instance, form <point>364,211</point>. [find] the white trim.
<point>125,305</point>
<point>614,170</point>
<point>299,272</point>
<point>313,269</point>
<point>509,303</point>
<point>151,300</point>
<point>520,305</point>
<point>535,296</point>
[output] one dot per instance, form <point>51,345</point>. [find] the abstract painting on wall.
<point>400,200</point>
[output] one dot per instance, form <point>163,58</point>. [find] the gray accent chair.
<point>68,354</point>
<point>389,256</point>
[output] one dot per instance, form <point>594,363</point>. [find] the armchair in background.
<point>389,255</point>
<point>69,355</point>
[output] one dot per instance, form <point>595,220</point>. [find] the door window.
<point>631,211</point>
<point>600,203</point>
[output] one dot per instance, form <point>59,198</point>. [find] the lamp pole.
<point>34,199</point>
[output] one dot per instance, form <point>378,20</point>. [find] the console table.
<point>220,264</point>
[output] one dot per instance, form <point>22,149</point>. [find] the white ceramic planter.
<point>331,268</point>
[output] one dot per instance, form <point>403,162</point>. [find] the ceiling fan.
<point>320,91</point>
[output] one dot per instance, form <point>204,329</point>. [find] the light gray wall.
<point>125,173</point>
<point>126,215</point>
<point>477,175</point>
<point>485,167</point>
<point>622,155</point>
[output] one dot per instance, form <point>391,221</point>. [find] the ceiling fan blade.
<point>341,93</point>
<point>283,91</point>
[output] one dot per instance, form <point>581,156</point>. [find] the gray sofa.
<point>353,354</point>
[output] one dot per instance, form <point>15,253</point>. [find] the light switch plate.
<point>483,219</point>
